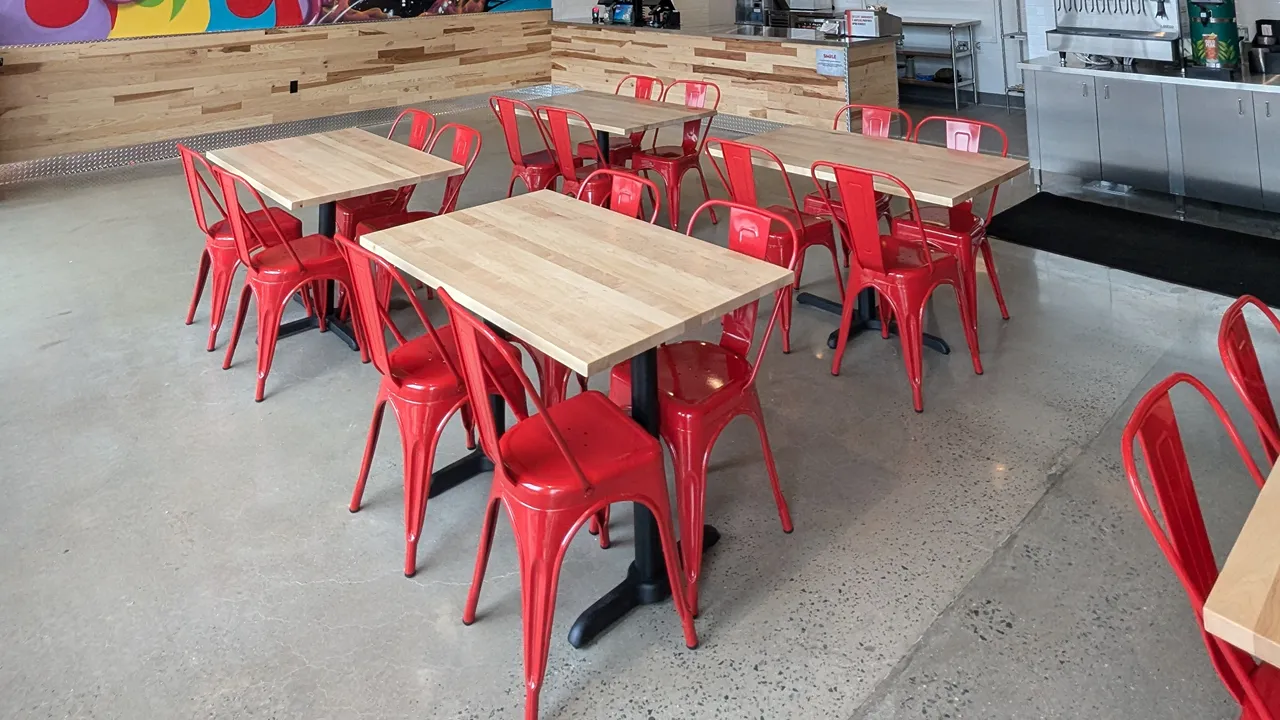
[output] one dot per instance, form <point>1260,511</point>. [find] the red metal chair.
<point>556,122</point>
<point>537,170</point>
<point>876,121</point>
<point>276,267</point>
<point>738,177</point>
<point>621,150</point>
<point>553,471</point>
<point>421,381</point>
<point>671,162</point>
<point>903,271</point>
<point>623,195</point>
<point>957,230</point>
<point>353,211</point>
<point>463,151</point>
<point>702,386</point>
<point>219,256</point>
<point>1183,538</point>
<point>1235,345</point>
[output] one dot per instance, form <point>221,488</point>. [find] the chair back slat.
<point>556,122</point>
<point>739,175</point>
<point>246,235</point>
<point>1240,358</point>
<point>965,135</point>
<point>626,190</point>
<point>192,164</point>
<point>463,150</point>
<point>876,120</point>
<point>697,94</point>
<point>857,217</point>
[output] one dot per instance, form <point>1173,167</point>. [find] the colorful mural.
<point>32,22</point>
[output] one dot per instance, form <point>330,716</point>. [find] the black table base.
<point>338,328</point>
<point>865,319</point>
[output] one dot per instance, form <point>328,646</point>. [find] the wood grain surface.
<point>763,79</point>
<point>81,97</point>
<point>310,170</point>
<point>935,175</point>
<point>1244,606</point>
<point>588,286</point>
<point>621,114</point>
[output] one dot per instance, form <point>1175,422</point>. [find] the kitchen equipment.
<point>872,23</point>
<point>1264,61</point>
<point>810,5</point>
<point>622,14</point>
<point>752,12</point>
<point>1215,39</point>
<point>1267,34</point>
<point>1143,29</point>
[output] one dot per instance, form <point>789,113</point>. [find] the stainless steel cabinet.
<point>1219,145</point>
<point>1067,125</point>
<point>1131,133</point>
<point>1266,113</point>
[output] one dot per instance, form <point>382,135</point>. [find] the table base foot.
<point>631,593</point>
<point>338,328</point>
<point>864,321</point>
<point>458,472</point>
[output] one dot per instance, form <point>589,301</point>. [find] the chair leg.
<point>599,525</point>
<point>910,326</point>
<point>692,447</point>
<point>660,506</point>
<point>371,444</point>
<point>990,262</point>
<point>756,413</point>
<point>511,186</point>
<point>469,424</point>
<point>673,199</point>
<point>835,264</point>
<point>420,426</point>
<point>800,252</point>
<point>885,312</point>
<point>271,302</point>
<point>706,192</point>
<point>968,318</point>
<point>202,272</point>
<point>540,536</point>
<point>321,295</point>
<point>482,556</point>
<point>787,307</point>
<point>223,274</point>
<point>241,309</point>
<point>846,323</point>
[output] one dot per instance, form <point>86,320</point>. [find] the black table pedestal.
<point>865,319</point>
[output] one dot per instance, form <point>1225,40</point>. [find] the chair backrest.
<point>625,192</point>
<point>1235,345</point>
<point>966,136</point>
<point>556,122</point>
<point>478,346</point>
<point>697,95</point>
<point>198,187</point>
<point>856,212</point>
<point>368,272</point>
<point>1182,537</point>
<point>246,235</point>
<point>505,110</point>
<point>877,120</point>
<point>750,229</point>
<point>739,174</point>
<point>646,87</point>
<point>464,150</point>
<point>422,128</point>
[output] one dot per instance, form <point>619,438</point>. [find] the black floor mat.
<point>1199,256</point>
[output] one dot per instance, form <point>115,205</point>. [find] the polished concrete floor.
<point>170,549</point>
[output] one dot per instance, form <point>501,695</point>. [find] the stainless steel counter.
<point>1151,72</point>
<point>746,32</point>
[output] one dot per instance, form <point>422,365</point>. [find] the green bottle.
<point>1215,40</point>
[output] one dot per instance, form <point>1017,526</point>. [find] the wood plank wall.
<point>61,99</point>
<point>765,79</point>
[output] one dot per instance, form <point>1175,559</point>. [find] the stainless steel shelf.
<point>933,83</point>
<point>934,53</point>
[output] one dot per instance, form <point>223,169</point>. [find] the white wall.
<point>1247,11</point>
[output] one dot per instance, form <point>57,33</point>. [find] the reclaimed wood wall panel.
<point>764,79</point>
<point>61,99</point>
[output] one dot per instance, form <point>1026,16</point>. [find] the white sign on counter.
<point>832,62</point>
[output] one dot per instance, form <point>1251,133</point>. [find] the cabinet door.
<point>1131,133</point>
<point>1219,145</point>
<point>1266,113</point>
<point>1067,120</point>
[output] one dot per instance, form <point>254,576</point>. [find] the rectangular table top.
<point>935,174</point>
<point>315,169</point>
<point>622,114</point>
<point>583,284</point>
<point>1244,606</point>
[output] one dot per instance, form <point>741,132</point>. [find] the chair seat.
<point>318,253</point>
<point>815,205</point>
<point>1266,680</point>
<point>694,372</point>
<point>422,375</point>
<point>382,222</point>
<point>904,256</point>
<point>352,211</point>
<point>937,230</point>
<point>620,150</point>
<point>599,435</point>
<point>805,222</point>
<point>543,157</point>
<point>667,153</point>
<point>258,219</point>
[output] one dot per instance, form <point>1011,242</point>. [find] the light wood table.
<point>590,288</point>
<point>621,114</point>
<point>1244,606</point>
<point>321,169</point>
<point>934,175</point>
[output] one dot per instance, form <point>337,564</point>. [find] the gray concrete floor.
<point>172,549</point>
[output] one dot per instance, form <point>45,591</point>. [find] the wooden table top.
<point>622,114</point>
<point>588,286</point>
<point>312,170</point>
<point>1244,606</point>
<point>936,175</point>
